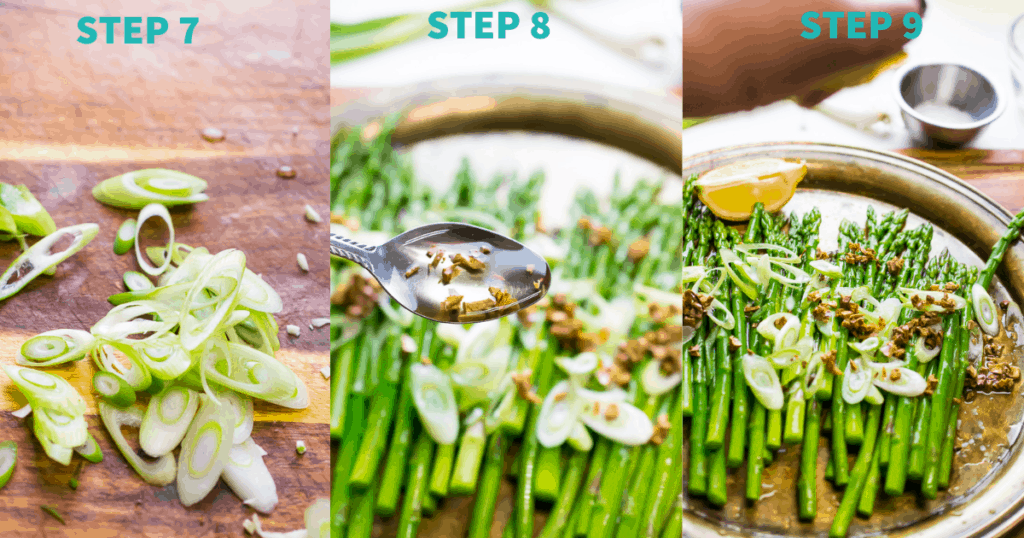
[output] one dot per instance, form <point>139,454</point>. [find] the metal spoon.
<point>410,266</point>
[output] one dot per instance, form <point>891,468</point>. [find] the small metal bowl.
<point>946,105</point>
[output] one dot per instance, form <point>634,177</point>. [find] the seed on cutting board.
<point>320,322</point>
<point>213,134</point>
<point>286,172</point>
<point>303,263</point>
<point>312,215</point>
<point>293,330</point>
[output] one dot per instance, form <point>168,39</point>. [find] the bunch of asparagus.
<point>897,438</point>
<point>382,449</point>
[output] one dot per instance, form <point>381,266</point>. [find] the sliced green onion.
<point>630,426</point>
<point>827,268</point>
<point>729,259</point>
<point>318,519</point>
<point>300,447</point>
<point>247,475</point>
<point>125,238</point>
<point>241,412</point>
<point>167,418</point>
<point>580,438</point>
<point>908,382</point>
<point>153,210</point>
<point>923,296</point>
<point>204,452</point>
<point>874,396</point>
<point>251,372</point>
<point>90,450</point>
<point>39,258</point>
<point>768,329</point>
<point>136,281</point>
<point>693,273</point>
<point>165,358</point>
<point>293,330</point>
<point>52,512</point>
<point>789,256</point>
<point>8,460</point>
<point>54,347</point>
<point>856,381</point>
<point>763,381</point>
<point>435,402</point>
<point>54,449</point>
<point>159,472</point>
<point>135,190</point>
<point>655,382</point>
<point>28,214</point>
<point>46,391</point>
<point>869,346</point>
<point>312,215</point>
<point>113,389</point>
<point>984,310</point>
<point>924,353</point>
<point>23,412</point>
<point>579,367</point>
<point>222,277</point>
<point>134,373</point>
<point>721,315</point>
<point>559,415</point>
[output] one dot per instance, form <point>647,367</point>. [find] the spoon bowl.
<point>452,272</point>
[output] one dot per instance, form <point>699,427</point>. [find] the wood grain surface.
<point>72,115</point>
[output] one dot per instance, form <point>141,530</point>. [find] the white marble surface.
<point>954,31</point>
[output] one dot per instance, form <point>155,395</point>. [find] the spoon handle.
<point>351,250</point>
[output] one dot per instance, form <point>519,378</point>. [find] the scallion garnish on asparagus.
<point>875,334</point>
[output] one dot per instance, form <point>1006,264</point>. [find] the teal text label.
<point>486,24</point>
<point>137,30</point>
<point>859,24</point>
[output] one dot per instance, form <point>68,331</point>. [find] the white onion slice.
<point>153,210</point>
<point>985,310</point>
<point>827,268</point>
<point>910,383</point>
<point>925,354</point>
<point>856,381</point>
<point>874,396</point>
<point>557,419</point>
<point>204,451</point>
<point>721,315</point>
<point>157,473</point>
<point>655,382</point>
<point>167,418</point>
<point>630,427</point>
<point>77,342</point>
<point>768,329</point>
<point>958,301</point>
<point>763,381</point>
<point>23,412</point>
<point>435,402</point>
<point>580,438</point>
<point>247,475</point>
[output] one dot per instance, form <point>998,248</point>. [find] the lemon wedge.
<point>731,191</point>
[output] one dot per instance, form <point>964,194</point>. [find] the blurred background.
<point>601,53</point>
<point>972,33</point>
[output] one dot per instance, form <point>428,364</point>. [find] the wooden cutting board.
<point>72,115</point>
